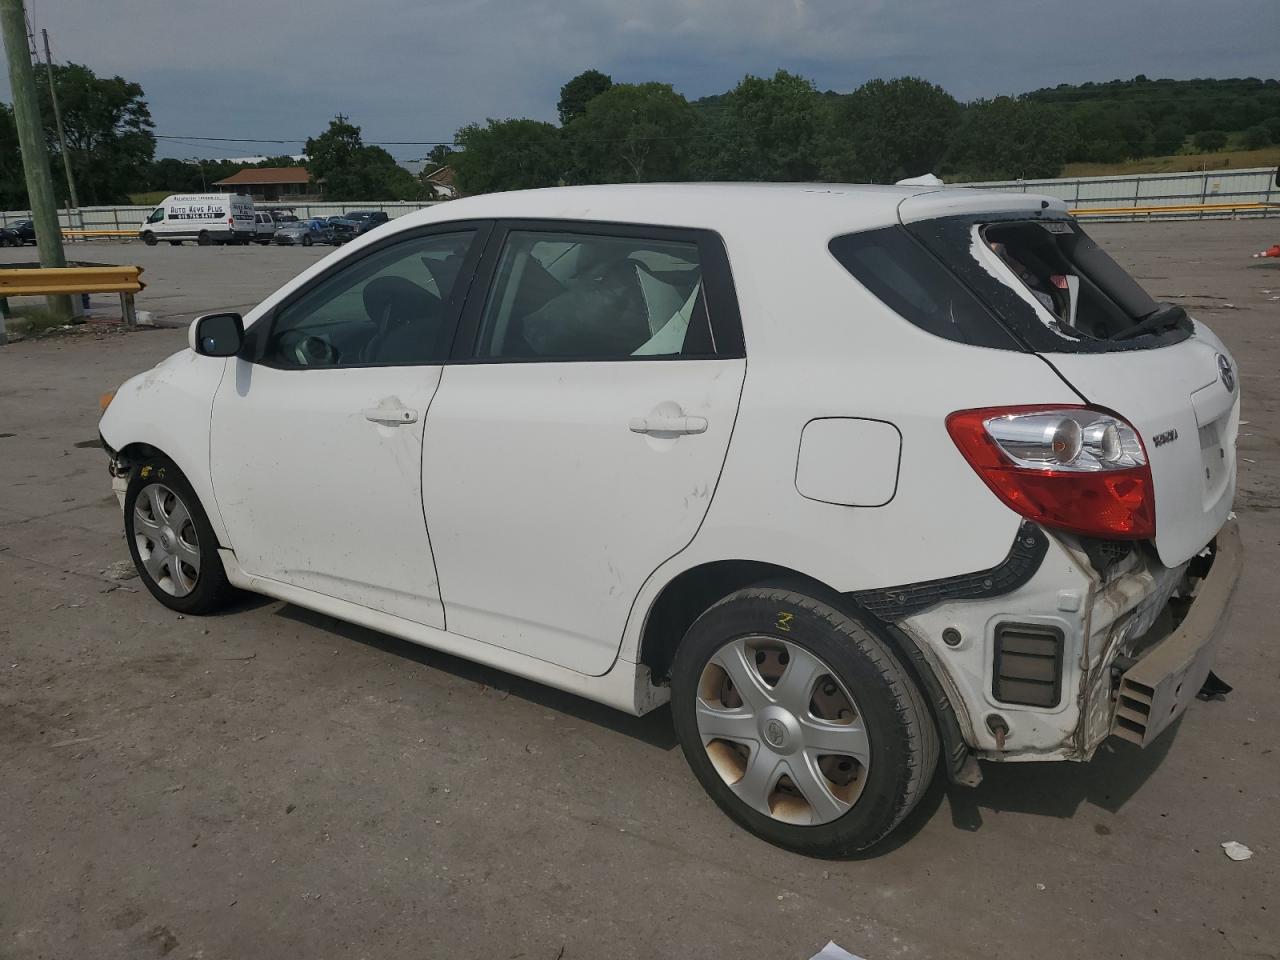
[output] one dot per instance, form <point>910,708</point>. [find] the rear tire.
<point>828,757</point>
<point>171,541</point>
<point>204,239</point>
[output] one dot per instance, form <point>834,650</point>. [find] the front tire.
<point>149,239</point>
<point>800,722</point>
<point>171,541</point>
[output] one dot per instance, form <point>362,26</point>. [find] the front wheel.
<point>149,239</point>
<point>170,540</point>
<point>800,722</point>
<point>306,241</point>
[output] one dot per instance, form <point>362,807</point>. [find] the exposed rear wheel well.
<point>686,597</point>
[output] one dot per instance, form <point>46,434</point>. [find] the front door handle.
<point>391,416</point>
<point>669,425</point>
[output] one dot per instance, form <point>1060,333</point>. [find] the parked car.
<point>340,230</point>
<point>366,220</point>
<point>301,232</point>
<point>25,229</point>
<point>971,498</point>
<point>264,227</point>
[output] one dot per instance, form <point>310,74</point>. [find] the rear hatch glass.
<point>1040,284</point>
<point>1050,285</point>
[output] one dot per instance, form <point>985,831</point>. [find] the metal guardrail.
<point>51,281</point>
<point>1179,210</point>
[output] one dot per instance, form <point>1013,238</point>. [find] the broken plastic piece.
<point>834,952</point>
<point>1236,851</point>
<point>1213,688</point>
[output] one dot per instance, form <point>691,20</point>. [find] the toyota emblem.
<point>1228,375</point>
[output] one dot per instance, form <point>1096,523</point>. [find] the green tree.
<point>1007,139</point>
<point>578,92</point>
<point>633,132</point>
<point>890,129</point>
<point>508,155</point>
<point>765,129</point>
<point>13,186</point>
<point>1256,137</point>
<point>1168,137</point>
<point>108,128</point>
<point>1210,141</point>
<point>349,169</point>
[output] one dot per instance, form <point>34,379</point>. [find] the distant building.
<point>272,183</point>
<point>441,180</point>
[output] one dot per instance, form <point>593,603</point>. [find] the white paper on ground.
<point>1236,851</point>
<point>833,952</point>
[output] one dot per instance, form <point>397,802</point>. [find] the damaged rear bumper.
<point>1157,689</point>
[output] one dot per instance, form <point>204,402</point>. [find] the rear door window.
<point>570,296</point>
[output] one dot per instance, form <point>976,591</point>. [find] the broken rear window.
<point>1050,285</point>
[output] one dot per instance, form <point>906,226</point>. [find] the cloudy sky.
<point>418,69</point>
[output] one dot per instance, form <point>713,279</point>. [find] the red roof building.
<point>272,183</point>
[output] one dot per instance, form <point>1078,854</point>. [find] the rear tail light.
<point>1072,468</point>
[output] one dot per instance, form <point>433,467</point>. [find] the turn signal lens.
<point>104,401</point>
<point>1072,468</point>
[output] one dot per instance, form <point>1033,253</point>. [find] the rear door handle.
<point>391,416</point>
<point>673,425</point>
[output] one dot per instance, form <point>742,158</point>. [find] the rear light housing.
<point>1072,468</point>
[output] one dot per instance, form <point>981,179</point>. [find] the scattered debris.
<point>68,743</point>
<point>833,951</point>
<point>1041,886</point>
<point>290,808</point>
<point>243,656</point>
<point>1236,851</point>
<point>121,570</point>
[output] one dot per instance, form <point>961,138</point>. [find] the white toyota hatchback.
<point>864,480</point>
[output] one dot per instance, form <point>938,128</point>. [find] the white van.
<point>206,218</point>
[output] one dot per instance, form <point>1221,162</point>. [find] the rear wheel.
<point>800,722</point>
<point>171,542</point>
<point>204,239</point>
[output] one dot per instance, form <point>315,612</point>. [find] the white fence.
<point>131,217</point>
<point>1154,190</point>
<point>1142,192</point>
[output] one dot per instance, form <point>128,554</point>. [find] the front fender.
<point>169,407</point>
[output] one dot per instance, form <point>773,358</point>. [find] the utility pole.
<point>62,136</point>
<point>35,158</point>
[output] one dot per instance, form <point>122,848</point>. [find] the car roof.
<point>828,207</point>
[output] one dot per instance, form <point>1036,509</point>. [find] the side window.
<point>156,215</point>
<point>390,308</point>
<point>908,280</point>
<point>567,296</point>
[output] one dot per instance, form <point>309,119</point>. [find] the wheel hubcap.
<point>166,538</point>
<point>782,730</point>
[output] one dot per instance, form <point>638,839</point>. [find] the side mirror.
<point>216,334</point>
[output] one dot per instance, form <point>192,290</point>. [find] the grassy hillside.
<point>1178,163</point>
